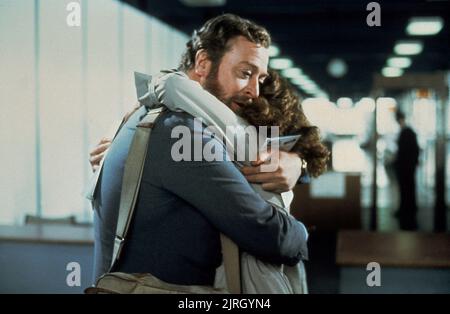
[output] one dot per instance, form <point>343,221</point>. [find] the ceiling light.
<point>274,51</point>
<point>280,63</point>
<point>392,72</point>
<point>311,87</point>
<point>408,47</point>
<point>321,94</point>
<point>399,62</point>
<point>301,79</point>
<point>337,68</point>
<point>204,3</point>
<point>292,73</point>
<point>424,25</point>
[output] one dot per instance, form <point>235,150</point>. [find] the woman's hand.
<point>282,179</point>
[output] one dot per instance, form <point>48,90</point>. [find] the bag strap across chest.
<point>132,177</point>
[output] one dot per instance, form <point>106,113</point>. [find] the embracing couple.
<point>183,207</point>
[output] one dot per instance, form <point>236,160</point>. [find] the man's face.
<point>241,70</point>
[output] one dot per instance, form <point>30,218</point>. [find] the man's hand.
<point>97,154</point>
<point>281,180</point>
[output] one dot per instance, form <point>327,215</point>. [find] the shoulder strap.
<point>130,187</point>
<point>231,263</point>
<point>132,179</point>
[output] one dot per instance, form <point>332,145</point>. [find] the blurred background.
<point>64,81</point>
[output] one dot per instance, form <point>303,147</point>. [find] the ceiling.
<point>312,32</point>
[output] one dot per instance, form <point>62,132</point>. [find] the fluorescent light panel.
<point>392,72</point>
<point>204,3</point>
<point>301,80</point>
<point>274,51</point>
<point>408,47</point>
<point>292,73</point>
<point>399,62</point>
<point>280,63</point>
<point>424,26</point>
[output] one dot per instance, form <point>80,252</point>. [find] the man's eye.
<point>246,74</point>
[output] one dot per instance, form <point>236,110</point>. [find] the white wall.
<point>17,112</point>
<point>61,110</point>
<point>61,88</point>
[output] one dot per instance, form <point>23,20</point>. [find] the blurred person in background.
<point>405,166</point>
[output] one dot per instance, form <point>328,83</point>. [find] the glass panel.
<point>134,50</point>
<point>61,111</point>
<point>103,74</point>
<point>17,99</point>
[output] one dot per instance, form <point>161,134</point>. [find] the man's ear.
<point>202,64</point>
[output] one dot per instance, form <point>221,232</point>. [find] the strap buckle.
<point>118,245</point>
<point>118,240</point>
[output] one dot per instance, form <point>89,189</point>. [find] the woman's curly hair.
<point>278,105</point>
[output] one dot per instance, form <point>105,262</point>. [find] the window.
<point>61,89</point>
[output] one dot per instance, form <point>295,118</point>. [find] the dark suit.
<point>405,169</point>
<point>181,208</point>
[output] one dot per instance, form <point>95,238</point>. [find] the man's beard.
<point>213,86</point>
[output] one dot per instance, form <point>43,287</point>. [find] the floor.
<point>388,199</point>
<point>324,276</point>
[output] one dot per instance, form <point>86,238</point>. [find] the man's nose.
<point>252,89</point>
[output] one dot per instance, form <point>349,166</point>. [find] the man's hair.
<point>215,35</point>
